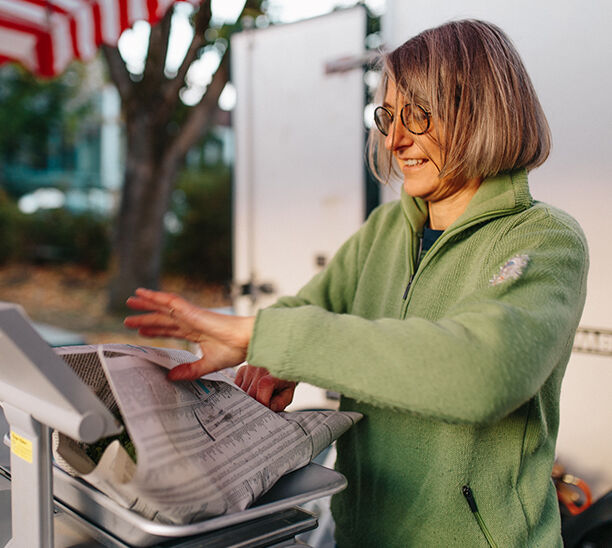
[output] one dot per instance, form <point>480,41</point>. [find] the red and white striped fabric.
<point>46,35</point>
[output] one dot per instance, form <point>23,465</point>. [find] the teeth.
<point>414,162</point>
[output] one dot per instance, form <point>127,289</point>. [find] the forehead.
<point>394,96</point>
<point>391,94</point>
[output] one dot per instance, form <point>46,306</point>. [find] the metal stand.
<point>39,393</point>
<point>31,481</point>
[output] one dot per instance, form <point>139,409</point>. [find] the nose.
<point>398,136</point>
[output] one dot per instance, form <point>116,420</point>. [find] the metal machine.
<point>42,506</point>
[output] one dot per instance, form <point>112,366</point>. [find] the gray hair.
<point>470,76</point>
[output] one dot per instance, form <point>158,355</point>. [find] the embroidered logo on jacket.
<point>512,270</point>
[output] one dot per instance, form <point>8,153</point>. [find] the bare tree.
<point>157,140</point>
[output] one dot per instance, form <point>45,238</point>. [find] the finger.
<point>165,332</point>
<point>148,320</point>
<point>190,371</point>
<point>251,390</point>
<point>147,299</point>
<point>244,377</point>
<point>256,374</point>
<point>161,297</point>
<point>140,303</point>
<point>240,375</point>
<point>246,380</point>
<point>169,302</point>
<point>265,389</point>
<point>246,374</point>
<point>282,399</point>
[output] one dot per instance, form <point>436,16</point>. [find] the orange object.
<point>573,492</point>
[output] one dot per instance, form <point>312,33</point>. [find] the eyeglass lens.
<point>414,118</point>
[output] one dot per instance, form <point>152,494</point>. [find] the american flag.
<point>46,35</point>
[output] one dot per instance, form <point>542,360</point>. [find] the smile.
<point>414,162</point>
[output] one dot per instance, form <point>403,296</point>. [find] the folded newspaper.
<point>203,448</point>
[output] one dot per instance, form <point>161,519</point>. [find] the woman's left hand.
<point>270,391</point>
<point>223,339</point>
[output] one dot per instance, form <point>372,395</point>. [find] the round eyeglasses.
<point>415,119</point>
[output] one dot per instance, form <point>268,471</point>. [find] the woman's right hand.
<point>223,339</point>
<point>268,390</point>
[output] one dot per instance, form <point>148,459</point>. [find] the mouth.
<point>413,162</point>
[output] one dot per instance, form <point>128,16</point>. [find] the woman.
<point>447,319</point>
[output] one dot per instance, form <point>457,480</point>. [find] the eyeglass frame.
<point>427,113</point>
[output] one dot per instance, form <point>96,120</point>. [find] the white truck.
<point>300,171</point>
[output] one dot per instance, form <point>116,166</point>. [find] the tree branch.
<point>202,20</point>
<point>119,73</point>
<point>201,116</point>
<point>158,49</point>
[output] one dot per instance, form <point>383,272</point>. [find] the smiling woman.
<point>460,117</point>
<point>414,141</point>
<point>488,118</point>
<point>452,342</point>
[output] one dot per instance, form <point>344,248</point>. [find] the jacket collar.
<point>499,195</point>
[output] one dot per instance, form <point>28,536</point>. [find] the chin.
<point>417,190</point>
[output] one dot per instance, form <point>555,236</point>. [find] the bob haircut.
<point>471,78</point>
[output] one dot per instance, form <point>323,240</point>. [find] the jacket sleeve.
<point>490,353</point>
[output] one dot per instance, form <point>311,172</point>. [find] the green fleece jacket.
<point>458,376</point>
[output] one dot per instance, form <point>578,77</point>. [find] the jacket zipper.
<point>472,222</point>
<point>414,269</point>
<point>469,496</point>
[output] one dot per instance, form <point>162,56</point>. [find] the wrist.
<point>246,331</point>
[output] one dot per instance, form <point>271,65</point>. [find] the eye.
<point>383,120</point>
<point>415,118</point>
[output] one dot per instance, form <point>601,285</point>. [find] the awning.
<point>45,35</point>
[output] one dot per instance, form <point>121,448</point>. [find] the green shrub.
<point>11,222</point>
<point>92,241</point>
<point>57,235</point>
<point>201,249</point>
<point>53,235</point>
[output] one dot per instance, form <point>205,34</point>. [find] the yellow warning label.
<point>21,447</point>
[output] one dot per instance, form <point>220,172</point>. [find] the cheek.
<point>388,142</point>
<point>436,147</point>
<point>433,152</point>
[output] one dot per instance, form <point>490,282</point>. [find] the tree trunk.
<point>154,156</point>
<point>139,230</point>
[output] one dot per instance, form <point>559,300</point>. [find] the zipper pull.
<point>467,493</point>
<point>469,496</point>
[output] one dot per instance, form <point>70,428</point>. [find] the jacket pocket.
<point>469,496</point>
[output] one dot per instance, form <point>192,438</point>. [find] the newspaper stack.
<point>204,448</point>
